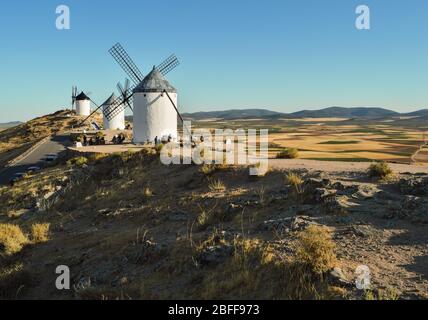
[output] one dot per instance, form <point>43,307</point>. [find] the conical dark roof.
<point>82,96</point>
<point>110,100</point>
<point>154,82</point>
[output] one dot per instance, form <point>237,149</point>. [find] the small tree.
<point>379,170</point>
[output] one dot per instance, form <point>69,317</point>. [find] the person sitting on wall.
<point>91,142</point>
<point>102,141</point>
<point>85,140</point>
<point>114,140</point>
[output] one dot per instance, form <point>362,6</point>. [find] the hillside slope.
<point>130,227</point>
<point>17,139</point>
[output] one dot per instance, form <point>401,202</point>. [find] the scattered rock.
<point>233,208</point>
<point>213,255</point>
<point>336,204</point>
<point>141,252</point>
<point>411,202</point>
<point>301,223</point>
<point>311,184</point>
<point>417,186</point>
<point>320,194</point>
<point>363,231</point>
<point>366,191</point>
<point>338,278</point>
<point>286,225</point>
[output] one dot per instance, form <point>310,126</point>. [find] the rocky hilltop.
<point>131,228</point>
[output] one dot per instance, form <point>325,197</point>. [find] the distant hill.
<point>332,112</point>
<point>340,112</point>
<point>10,124</point>
<point>420,113</point>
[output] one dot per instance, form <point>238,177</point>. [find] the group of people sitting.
<point>118,138</point>
<point>163,140</point>
<point>93,142</point>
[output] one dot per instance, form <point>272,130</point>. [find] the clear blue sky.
<point>283,55</point>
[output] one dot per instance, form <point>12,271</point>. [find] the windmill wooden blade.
<point>120,89</point>
<point>168,65</point>
<point>127,84</point>
<point>117,107</point>
<point>178,112</point>
<point>73,96</point>
<point>126,63</point>
<point>121,103</point>
<point>92,113</point>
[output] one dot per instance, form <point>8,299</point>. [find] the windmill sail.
<point>168,65</point>
<point>126,63</point>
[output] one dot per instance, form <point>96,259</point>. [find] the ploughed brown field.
<point>339,139</point>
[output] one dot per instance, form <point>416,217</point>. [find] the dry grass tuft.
<point>40,232</point>
<point>215,185</point>
<point>148,192</point>
<point>381,294</point>
<point>315,248</point>
<point>295,181</point>
<point>12,239</point>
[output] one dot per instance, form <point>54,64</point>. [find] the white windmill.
<point>154,114</point>
<point>154,99</point>
<point>83,105</point>
<point>118,121</point>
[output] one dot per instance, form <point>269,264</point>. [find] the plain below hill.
<point>234,114</point>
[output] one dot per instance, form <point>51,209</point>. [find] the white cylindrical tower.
<point>83,105</point>
<point>117,119</point>
<point>154,114</point>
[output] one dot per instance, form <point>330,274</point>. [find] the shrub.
<point>379,170</point>
<point>40,232</point>
<point>12,239</point>
<point>100,134</point>
<point>288,153</point>
<point>207,216</point>
<point>77,138</point>
<point>316,249</point>
<point>159,148</point>
<point>78,161</point>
